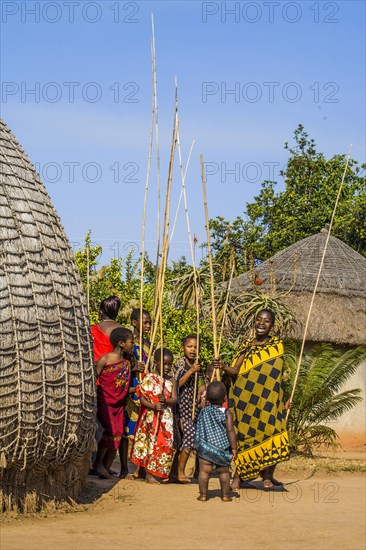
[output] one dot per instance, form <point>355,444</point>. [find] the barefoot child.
<point>184,371</point>
<point>114,375</point>
<point>132,408</point>
<point>153,444</point>
<point>215,441</point>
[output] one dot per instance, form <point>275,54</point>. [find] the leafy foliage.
<point>122,278</point>
<point>318,400</point>
<point>275,220</point>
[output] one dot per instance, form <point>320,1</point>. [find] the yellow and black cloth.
<point>256,401</point>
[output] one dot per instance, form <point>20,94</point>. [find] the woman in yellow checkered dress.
<point>256,401</point>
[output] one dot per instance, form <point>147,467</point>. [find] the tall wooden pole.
<point>183,177</point>
<point>146,194</point>
<point>317,283</point>
<point>214,327</point>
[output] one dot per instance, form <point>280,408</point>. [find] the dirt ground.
<point>314,510</point>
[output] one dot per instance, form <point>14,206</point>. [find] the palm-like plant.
<point>184,287</point>
<point>318,400</point>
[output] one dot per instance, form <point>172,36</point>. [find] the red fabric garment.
<point>102,344</point>
<point>112,390</point>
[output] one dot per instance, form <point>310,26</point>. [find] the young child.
<point>132,408</point>
<point>153,444</point>
<point>184,371</point>
<point>215,436</point>
<point>114,375</point>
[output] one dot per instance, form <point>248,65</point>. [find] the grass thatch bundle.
<point>47,395</point>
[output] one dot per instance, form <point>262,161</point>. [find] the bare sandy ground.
<point>322,512</point>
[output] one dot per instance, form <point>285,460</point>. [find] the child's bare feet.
<point>202,498</point>
<point>226,499</point>
<point>151,479</point>
<point>235,483</point>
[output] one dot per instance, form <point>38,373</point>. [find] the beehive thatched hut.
<point>339,310</point>
<point>47,395</point>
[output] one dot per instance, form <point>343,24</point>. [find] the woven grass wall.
<point>47,395</point>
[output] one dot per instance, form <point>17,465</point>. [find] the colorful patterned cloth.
<point>132,408</point>
<point>211,440</point>
<point>185,402</point>
<point>114,383</point>
<point>153,443</point>
<point>256,401</point>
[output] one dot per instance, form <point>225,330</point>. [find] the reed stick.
<point>225,305</point>
<point>317,282</point>
<point>183,178</point>
<point>165,245</point>
<point>181,193</point>
<point>214,374</point>
<point>214,327</point>
<point>146,195</point>
<point>158,223</point>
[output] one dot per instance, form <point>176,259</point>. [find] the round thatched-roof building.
<point>339,310</point>
<point>47,395</point>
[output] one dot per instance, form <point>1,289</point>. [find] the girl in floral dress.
<point>153,443</point>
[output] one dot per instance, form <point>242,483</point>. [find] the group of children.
<point>159,417</point>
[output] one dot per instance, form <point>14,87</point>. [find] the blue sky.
<point>248,74</point>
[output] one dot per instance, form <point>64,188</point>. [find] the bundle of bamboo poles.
<point>164,240</point>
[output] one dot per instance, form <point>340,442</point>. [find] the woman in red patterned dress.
<point>114,376</point>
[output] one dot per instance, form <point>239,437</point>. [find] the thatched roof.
<point>339,311</point>
<point>47,395</point>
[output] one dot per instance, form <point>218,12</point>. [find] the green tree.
<point>275,220</point>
